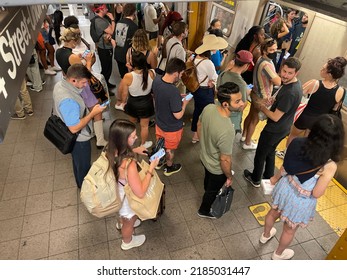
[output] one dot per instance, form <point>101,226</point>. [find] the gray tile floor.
<point>41,215</point>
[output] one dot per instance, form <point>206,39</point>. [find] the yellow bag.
<point>147,207</point>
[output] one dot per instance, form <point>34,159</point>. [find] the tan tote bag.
<point>147,207</point>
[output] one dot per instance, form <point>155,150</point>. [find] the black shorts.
<point>140,107</point>
<point>305,121</point>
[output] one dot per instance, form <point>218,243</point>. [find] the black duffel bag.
<point>59,134</point>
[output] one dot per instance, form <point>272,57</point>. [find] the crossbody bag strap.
<point>86,43</point>
<point>309,171</point>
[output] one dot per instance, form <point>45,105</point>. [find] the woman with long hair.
<point>58,18</point>
<point>326,96</point>
<point>137,86</point>
<point>140,43</point>
<point>251,42</point>
<point>264,78</point>
<point>122,160</point>
<point>308,168</point>
<point>207,77</point>
<point>279,31</point>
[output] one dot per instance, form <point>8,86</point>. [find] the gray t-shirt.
<point>227,76</point>
<point>217,137</point>
<point>100,25</point>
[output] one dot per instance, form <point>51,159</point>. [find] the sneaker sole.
<point>206,217</point>
<point>128,248</point>
<point>173,172</point>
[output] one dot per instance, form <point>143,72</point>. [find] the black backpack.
<point>95,36</point>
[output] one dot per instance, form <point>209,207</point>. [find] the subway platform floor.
<point>42,217</point>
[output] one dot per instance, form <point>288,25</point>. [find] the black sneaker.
<point>248,176</point>
<point>151,123</point>
<point>16,117</point>
<point>169,170</point>
<point>162,162</point>
<point>207,216</point>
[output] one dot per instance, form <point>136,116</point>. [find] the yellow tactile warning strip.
<point>332,206</point>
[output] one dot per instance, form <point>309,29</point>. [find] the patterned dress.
<point>292,193</point>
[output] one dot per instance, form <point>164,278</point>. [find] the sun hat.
<point>211,42</point>
<point>244,56</point>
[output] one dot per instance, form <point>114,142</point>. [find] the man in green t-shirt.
<point>216,134</point>
<point>233,74</point>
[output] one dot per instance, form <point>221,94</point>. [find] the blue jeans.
<point>202,97</point>
<point>212,185</point>
<point>81,157</point>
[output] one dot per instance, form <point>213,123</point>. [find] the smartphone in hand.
<point>250,86</point>
<point>85,53</point>
<point>105,103</point>
<point>158,154</point>
<point>187,97</point>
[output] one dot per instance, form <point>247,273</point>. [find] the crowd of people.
<point>151,55</point>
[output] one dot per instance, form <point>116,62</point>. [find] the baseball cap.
<point>176,16</point>
<point>245,57</point>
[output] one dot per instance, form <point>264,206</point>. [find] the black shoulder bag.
<point>59,134</point>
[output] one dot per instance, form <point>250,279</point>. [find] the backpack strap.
<point>197,69</point>
<point>168,56</point>
<point>129,160</point>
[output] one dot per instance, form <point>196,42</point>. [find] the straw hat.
<point>211,42</point>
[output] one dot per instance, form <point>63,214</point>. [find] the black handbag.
<point>59,134</point>
<point>222,203</point>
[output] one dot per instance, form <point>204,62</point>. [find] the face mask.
<point>272,56</point>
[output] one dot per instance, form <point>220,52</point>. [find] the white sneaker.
<point>50,72</point>
<point>119,107</point>
<point>119,225</point>
<point>264,239</point>
<point>136,241</point>
<point>281,154</point>
<point>252,146</point>
<point>147,144</point>
<point>55,68</point>
<point>287,254</point>
<point>243,138</point>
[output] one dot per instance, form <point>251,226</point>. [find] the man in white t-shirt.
<point>152,20</point>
